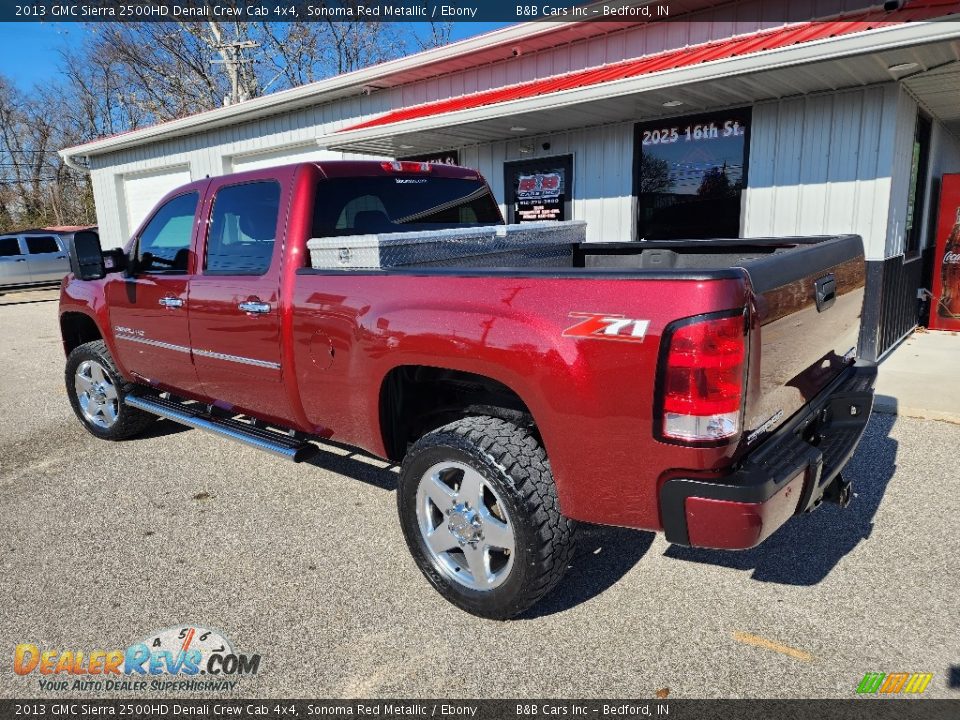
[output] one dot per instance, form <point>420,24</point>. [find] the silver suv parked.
<point>33,257</point>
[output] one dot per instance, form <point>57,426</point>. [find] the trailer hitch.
<point>839,492</point>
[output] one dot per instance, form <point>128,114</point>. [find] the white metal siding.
<point>602,173</point>
<point>905,132</point>
<point>944,158</point>
<point>822,164</point>
<point>255,161</point>
<point>818,164</point>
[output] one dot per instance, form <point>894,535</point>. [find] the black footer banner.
<point>854,709</point>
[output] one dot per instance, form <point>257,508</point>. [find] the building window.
<point>539,189</point>
<point>690,174</point>
<point>913,227</point>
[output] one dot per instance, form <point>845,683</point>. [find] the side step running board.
<point>282,445</point>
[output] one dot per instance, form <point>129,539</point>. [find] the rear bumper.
<point>787,474</point>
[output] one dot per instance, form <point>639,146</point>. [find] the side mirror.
<point>86,256</point>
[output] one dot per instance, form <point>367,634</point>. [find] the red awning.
<point>693,55</point>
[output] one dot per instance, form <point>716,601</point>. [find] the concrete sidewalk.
<point>921,377</point>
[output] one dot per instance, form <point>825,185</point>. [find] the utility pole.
<point>232,58</point>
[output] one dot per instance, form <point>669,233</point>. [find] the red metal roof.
<point>68,228</point>
<point>715,50</point>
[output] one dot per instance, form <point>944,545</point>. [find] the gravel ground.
<point>104,543</point>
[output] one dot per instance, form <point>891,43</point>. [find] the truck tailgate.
<point>808,306</point>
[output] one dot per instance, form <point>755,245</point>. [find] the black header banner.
<point>387,709</point>
<point>330,10</point>
<point>507,11</point>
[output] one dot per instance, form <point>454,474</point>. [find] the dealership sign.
<point>539,189</point>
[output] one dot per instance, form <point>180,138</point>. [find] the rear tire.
<point>479,511</point>
<point>96,391</point>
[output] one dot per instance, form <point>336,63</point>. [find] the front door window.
<point>164,244</point>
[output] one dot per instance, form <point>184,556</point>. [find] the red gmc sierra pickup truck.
<point>705,388</point>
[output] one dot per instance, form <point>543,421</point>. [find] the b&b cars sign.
<point>539,189</point>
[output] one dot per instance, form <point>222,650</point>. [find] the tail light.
<point>406,166</point>
<point>702,378</point>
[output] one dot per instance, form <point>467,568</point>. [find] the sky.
<point>29,51</point>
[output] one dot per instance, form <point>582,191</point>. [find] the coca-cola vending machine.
<point>945,310</point>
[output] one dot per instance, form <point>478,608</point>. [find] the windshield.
<point>362,205</point>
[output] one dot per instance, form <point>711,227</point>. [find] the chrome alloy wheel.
<point>97,395</point>
<point>465,526</point>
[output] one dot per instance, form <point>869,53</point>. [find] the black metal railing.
<point>891,307</point>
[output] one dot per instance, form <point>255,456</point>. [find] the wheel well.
<point>77,329</point>
<point>415,399</point>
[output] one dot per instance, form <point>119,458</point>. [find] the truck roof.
<point>358,168</point>
<point>331,169</point>
<point>353,168</point>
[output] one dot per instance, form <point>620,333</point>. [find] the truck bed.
<point>765,259</point>
<point>800,342</point>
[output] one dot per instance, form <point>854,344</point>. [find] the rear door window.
<point>243,229</point>
<point>40,244</point>
<point>9,247</point>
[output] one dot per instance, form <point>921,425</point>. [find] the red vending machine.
<point>945,310</point>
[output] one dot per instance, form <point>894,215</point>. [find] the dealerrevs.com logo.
<point>179,658</point>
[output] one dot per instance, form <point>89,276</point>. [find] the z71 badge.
<point>607,327</point>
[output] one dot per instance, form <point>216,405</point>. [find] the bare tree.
<point>35,186</point>
<point>122,76</point>
<point>164,69</point>
<point>654,174</point>
<point>438,35</point>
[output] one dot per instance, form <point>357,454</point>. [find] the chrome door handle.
<point>254,307</point>
<point>171,302</point>
<point>20,260</point>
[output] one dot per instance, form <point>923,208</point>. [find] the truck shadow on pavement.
<point>603,556</point>
<point>357,465</point>
<point>809,547</point>
<point>161,428</point>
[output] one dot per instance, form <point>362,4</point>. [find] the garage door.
<point>142,191</point>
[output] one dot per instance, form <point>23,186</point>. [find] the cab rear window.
<point>364,205</point>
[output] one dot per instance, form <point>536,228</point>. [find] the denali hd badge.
<point>607,327</point>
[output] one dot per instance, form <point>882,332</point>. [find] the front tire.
<point>479,511</point>
<point>96,391</point>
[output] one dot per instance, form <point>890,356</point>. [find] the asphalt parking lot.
<point>101,544</point>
